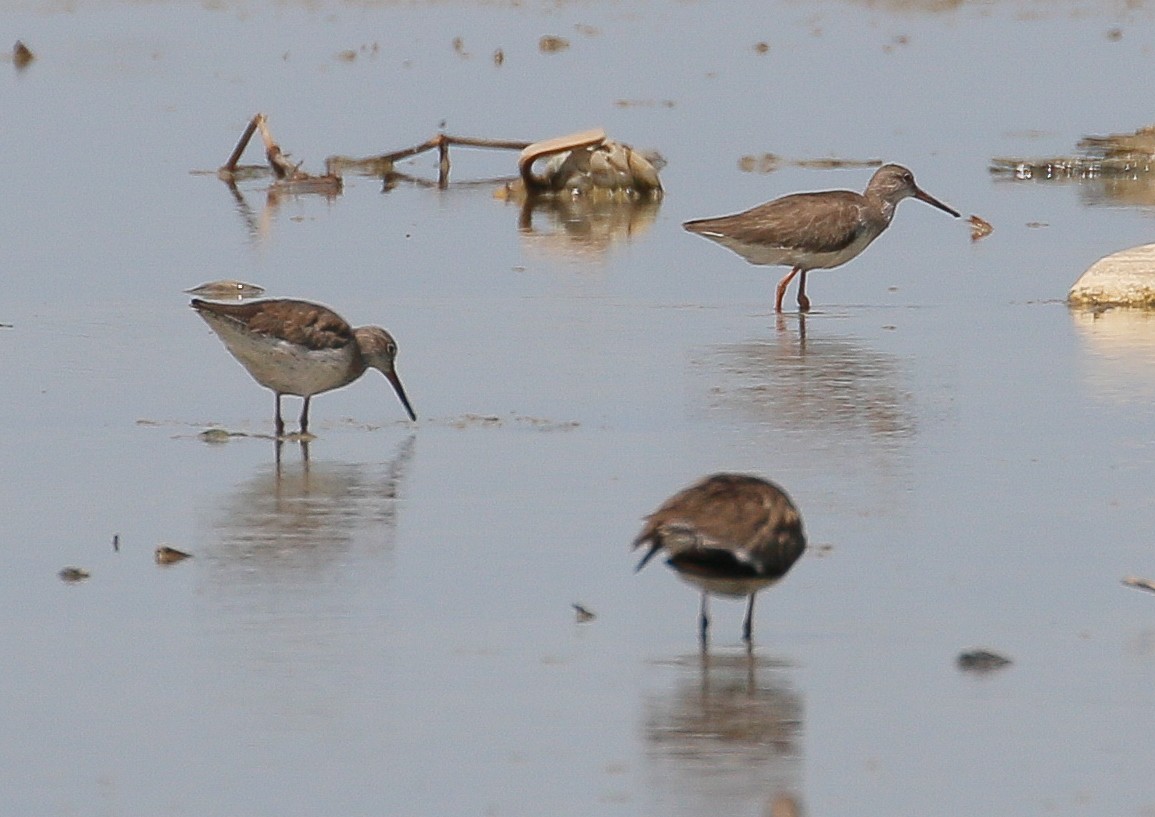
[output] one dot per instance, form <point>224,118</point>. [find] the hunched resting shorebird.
<point>807,231</point>
<point>730,535</point>
<point>301,348</point>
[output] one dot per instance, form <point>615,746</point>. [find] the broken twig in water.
<point>231,165</point>
<point>279,163</point>
<point>582,163</point>
<point>383,164</point>
<point>289,177</point>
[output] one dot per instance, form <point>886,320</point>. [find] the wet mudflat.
<point>386,626</point>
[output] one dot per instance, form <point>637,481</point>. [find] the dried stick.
<point>442,142</point>
<point>282,168</point>
<point>231,165</point>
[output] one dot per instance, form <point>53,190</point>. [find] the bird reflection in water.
<point>781,326</point>
<point>726,737</point>
<point>832,385</point>
<point>299,520</point>
<point>278,447</point>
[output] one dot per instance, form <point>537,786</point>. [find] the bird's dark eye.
<point>391,348</point>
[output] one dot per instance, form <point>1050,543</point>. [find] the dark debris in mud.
<point>981,661</point>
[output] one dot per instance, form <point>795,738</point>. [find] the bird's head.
<point>893,183</point>
<point>379,351</point>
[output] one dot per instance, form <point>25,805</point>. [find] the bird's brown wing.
<point>748,519</point>
<point>811,222</point>
<point>300,322</point>
<point>728,509</point>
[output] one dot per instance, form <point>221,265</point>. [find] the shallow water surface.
<point>381,622</point>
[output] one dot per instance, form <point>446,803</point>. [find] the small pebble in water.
<point>22,55</point>
<point>981,661</point>
<point>72,575</point>
<point>215,435</point>
<point>167,556</point>
<point>550,44</point>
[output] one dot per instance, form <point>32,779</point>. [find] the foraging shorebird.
<point>301,348</point>
<point>729,535</point>
<point>807,231</point>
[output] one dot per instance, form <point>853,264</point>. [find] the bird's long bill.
<point>649,555</point>
<point>922,195</point>
<point>397,387</point>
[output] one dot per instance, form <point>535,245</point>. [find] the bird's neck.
<point>357,366</point>
<point>886,210</point>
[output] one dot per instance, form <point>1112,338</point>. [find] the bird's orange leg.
<point>785,282</point>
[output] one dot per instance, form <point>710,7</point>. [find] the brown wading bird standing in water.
<point>730,535</point>
<point>301,348</point>
<point>807,231</point>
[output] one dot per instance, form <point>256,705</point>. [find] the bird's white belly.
<point>287,368</point>
<point>734,588</point>
<point>771,256</point>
